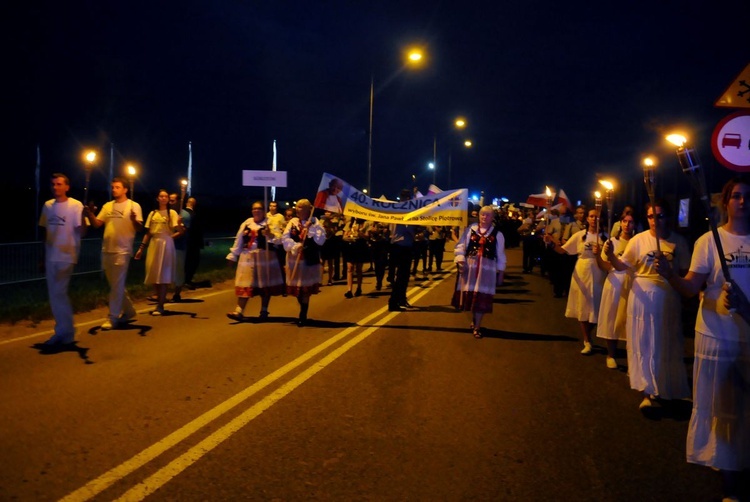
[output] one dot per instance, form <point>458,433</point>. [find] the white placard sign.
<point>264,178</point>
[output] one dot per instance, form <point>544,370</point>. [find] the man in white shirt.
<point>121,218</point>
<point>62,219</point>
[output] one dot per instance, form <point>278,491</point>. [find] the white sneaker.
<point>586,348</point>
<point>611,363</point>
<point>107,325</point>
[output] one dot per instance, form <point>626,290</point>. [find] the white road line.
<point>110,477</point>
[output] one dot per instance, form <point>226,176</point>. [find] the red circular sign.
<point>730,141</point>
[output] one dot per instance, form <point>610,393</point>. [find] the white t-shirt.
<point>119,231</point>
<point>713,319</point>
<point>640,252</point>
<point>62,220</point>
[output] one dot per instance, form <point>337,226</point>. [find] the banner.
<point>449,207</point>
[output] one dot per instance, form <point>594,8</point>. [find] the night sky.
<point>554,92</point>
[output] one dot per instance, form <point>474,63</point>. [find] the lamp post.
<point>90,158</point>
<point>609,194</point>
<point>649,179</point>
<point>131,177</point>
<point>690,164</point>
<point>414,57</point>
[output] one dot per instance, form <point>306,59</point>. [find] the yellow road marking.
<point>143,489</point>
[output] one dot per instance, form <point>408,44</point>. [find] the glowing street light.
<point>460,123</point>
<point>414,58</point>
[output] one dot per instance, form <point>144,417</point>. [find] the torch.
<point>609,194</point>
<point>649,170</point>
<point>598,207</point>
<point>131,178</point>
<point>90,158</point>
<point>690,164</point>
<point>548,192</point>
<point>183,189</point>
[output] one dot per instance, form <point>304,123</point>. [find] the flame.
<point>677,139</point>
<point>607,184</point>
<point>131,171</point>
<point>548,191</point>
<point>649,162</point>
<point>597,195</point>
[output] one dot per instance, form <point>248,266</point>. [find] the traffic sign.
<point>731,141</point>
<point>737,94</point>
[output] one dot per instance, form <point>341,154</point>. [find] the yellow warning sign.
<point>737,94</point>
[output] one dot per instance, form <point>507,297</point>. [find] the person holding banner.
<point>302,239</point>
<point>719,429</point>
<point>480,259</point>
<point>258,272</point>
<point>402,240</point>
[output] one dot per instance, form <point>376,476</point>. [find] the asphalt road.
<point>363,404</point>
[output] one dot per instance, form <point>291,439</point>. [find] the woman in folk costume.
<point>585,291</point>
<point>163,225</point>
<point>480,258</point>
<point>302,240</point>
<point>258,271</point>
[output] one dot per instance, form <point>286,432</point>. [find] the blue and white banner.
<point>449,207</point>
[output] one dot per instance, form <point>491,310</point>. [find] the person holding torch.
<point>653,326</point>
<point>719,429</point>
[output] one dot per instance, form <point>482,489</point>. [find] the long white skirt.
<point>655,343</point>
<point>613,313</point>
<point>719,430</point>
<point>585,291</point>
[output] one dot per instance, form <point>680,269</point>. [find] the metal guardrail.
<point>20,261</point>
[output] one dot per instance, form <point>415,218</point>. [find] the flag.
<point>564,200</point>
<point>273,168</point>
<point>538,199</point>
<point>190,168</point>
<point>432,189</point>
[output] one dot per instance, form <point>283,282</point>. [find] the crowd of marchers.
<point>627,287</point>
<point>623,286</point>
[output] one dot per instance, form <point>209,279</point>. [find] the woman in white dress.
<point>719,429</point>
<point>610,324</point>
<point>302,240</point>
<point>654,327</point>
<point>480,259</point>
<point>163,225</point>
<point>258,269</point>
<point>586,283</point>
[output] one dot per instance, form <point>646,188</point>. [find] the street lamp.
<point>431,165</point>
<point>414,57</point>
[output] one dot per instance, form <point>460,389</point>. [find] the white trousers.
<point>58,279</point>
<point>116,269</point>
